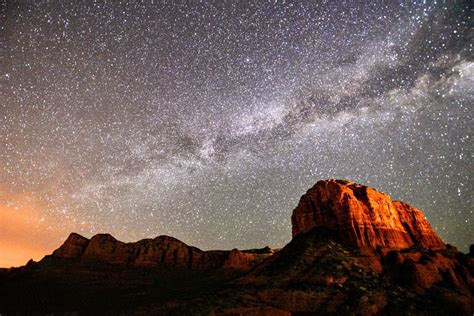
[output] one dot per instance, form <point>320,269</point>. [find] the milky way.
<point>208,121</point>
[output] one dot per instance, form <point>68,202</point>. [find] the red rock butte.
<point>362,217</point>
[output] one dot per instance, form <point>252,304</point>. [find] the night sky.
<point>208,121</point>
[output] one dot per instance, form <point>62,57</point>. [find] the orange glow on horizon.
<point>25,231</point>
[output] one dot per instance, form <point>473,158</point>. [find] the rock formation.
<point>363,217</point>
<point>354,251</point>
<point>163,252</point>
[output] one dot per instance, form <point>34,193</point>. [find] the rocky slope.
<point>354,251</point>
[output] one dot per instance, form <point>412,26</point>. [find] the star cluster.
<point>207,121</point>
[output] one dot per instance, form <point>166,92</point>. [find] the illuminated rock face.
<point>363,217</point>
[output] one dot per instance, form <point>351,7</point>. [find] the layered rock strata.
<point>363,217</point>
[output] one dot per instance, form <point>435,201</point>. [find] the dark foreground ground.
<point>313,274</point>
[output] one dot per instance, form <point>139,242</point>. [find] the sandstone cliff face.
<point>241,261</point>
<point>363,217</point>
<point>161,252</point>
<point>422,270</point>
<point>73,247</point>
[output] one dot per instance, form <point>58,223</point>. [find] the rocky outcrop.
<point>73,247</point>
<point>423,269</point>
<point>363,217</point>
<point>350,280</point>
<point>239,260</point>
<point>162,252</point>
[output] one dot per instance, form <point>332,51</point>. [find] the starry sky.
<point>207,120</point>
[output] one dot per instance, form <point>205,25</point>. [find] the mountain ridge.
<point>161,251</point>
